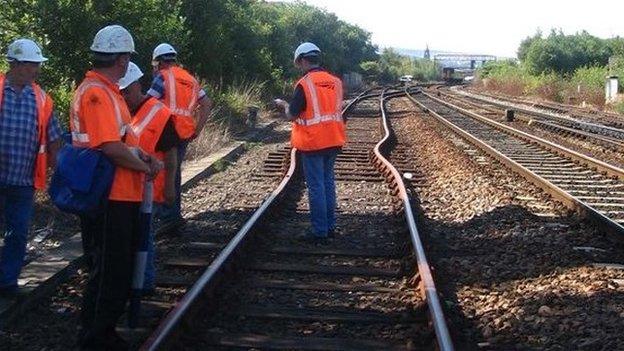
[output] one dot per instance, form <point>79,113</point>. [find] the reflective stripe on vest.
<point>83,138</point>
<point>318,118</point>
<point>44,107</point>
<point>148,124</point>
<point>320,125</point>
<point>172,94</point>
<point>138,129</point>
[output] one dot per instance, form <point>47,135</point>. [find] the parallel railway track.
<point>593,188</point>
<point>603,136</point>
<point>607,118</point>
<point>595,126</point>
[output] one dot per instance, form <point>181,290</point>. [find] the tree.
<point>525,45</point>
<point>221,41</point>
<point>563,54</point>
<point>371,69</point>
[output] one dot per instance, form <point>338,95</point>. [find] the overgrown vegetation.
<point>558,67</point>
<point>240,48</point>
<point>391,65</point>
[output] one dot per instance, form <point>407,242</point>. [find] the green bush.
<point>219,40</point>
<point>242,47</point>
<point>502,70</point>
<point>516,79</point>
<point>62,95</point>
<point>232,101</point>
<point>506,76</point>
<point>590,77</point>
<point>564,54</point>
<point>564,68</point>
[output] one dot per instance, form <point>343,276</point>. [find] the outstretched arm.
<point>205,106</point>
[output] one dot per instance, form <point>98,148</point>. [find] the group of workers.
<point>145,137</point>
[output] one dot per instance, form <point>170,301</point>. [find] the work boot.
<point>332,232</point>
<point>170,226</point>
<point>311,237</point>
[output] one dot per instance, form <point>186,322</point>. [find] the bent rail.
<point>427,285</point>
<point>209,279</point>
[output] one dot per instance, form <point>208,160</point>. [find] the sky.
<point>474,26</point>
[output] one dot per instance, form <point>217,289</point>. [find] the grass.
<point>229,116</point>
<point>584,86</point>
<point>213,137</point>
<point>232,103</point>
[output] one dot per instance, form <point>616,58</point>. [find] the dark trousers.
<point>110,242</point>
<point>18,206</point>
<point>174,212</point>
<point>88,227</point>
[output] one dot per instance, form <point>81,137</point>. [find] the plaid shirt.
<point>19,136</point>
<point>157,89</point>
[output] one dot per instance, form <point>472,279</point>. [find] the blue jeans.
<point>174,212</point>
<point>319,175</point>
<point>18,202</point>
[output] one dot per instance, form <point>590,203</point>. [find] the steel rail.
<point>168,326</point>
<point>159,337</point>
<point>605,140</point>
<point>557,107</point>
<point>566,198</point>
<point>427,285</point>
<point>594,127</point>
<point>576,156</point>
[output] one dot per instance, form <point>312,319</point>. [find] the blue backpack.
<point>82,180</point>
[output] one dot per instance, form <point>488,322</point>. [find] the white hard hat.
<point>133,74</point>
<point>113,39</point>
<point>304,49</point>
<point>163,49</point>
<point>25,50</point>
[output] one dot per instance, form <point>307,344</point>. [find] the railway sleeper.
<point>302,343</point>
<point>554,177</point>
<point>578,182</point>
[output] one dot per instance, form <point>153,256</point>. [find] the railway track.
<point>269,289</point>
<point>562,126</point>
<point>607,118</point>
<point>589,186</point>
<point>593,128</point>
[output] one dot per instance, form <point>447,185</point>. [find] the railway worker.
<point>191,107</point>
<point>319,133</point>
<point>29,140</point>
<point>153,125</point>
<point>99,119</point>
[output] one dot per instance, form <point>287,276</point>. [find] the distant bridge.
<point>463,64</point>
<point>462,60</point>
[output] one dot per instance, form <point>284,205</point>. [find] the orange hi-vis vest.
<point>99,114</point>
<point>148,124</point>
<point>320,125</point>
<point>44,112</point>
<point>181,96</point>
